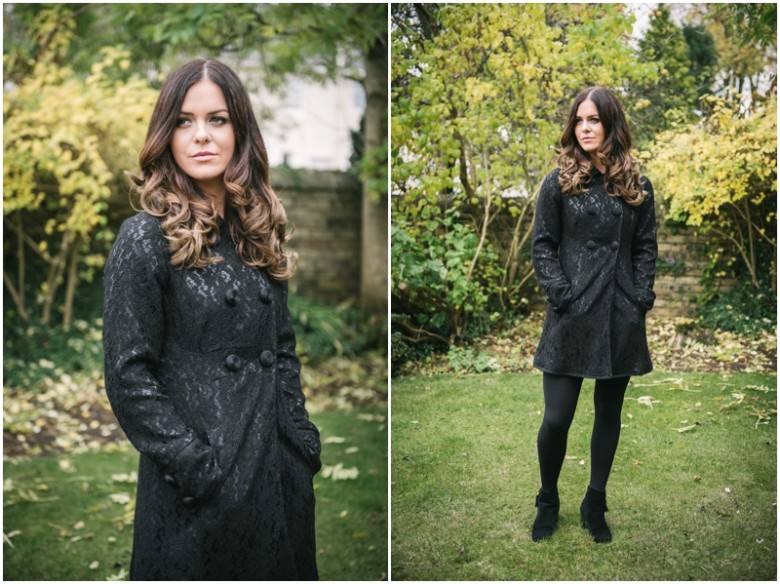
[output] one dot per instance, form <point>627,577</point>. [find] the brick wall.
<point>682,256</point>
<point>324,208</point>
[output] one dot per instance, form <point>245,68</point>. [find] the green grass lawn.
<point>70,517</point>
<point>692,494</point>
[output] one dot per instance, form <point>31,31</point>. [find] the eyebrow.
<point>208,114</point>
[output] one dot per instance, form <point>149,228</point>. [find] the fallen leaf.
<point>647,400</point>
<point>120,498</point>
<point>94,565</point>
<point>688,428</point>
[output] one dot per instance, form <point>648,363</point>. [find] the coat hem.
<point>591,375</point>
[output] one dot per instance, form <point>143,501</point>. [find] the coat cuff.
<point>194,473</point>
<point>559,295</point>
<point>645,297</point>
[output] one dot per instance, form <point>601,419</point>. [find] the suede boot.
<point>592,513</point>
<point>548,505</point>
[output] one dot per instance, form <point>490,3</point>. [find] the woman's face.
<point>588,128</point>
<point>203,140</point>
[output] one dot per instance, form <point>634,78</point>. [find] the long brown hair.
<point>255,216</point>
<point>622,177</point>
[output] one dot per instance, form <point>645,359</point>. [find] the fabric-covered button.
<point>265,295</point>
<point>617,212</point>
<point>591,244</point>
<point>614,245</point>
<point>266,358</point>
<point>233,362</point>
<point>231,297</point>
<point>170,480</point>
<point>592,210</point>
<point>188,501</point>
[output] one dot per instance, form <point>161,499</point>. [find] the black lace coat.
<point>595,256</point>
<point>202,375</point>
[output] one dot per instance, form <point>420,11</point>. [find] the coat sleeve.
<point>135,280</point>
<point>546,244</point>
<point>295,425</point>
<point>644,250</point>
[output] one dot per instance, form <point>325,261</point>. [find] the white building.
<point>308,124</point>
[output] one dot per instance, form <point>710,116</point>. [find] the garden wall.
<point>324,208</point>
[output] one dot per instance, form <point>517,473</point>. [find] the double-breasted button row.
<point>593,245</point>
<point>265,295</point>
<point>234,362</point>
<point>231,296</point>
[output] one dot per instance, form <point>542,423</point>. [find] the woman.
<point>594,251</point>
<point>200,360</point>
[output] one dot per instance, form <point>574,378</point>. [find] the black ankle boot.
<point>592,513</point>
<point>547,504</point>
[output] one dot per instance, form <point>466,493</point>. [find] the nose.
<point>201,134</point>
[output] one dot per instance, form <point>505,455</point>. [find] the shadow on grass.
<point>70,517</point>
<point>692,494</point>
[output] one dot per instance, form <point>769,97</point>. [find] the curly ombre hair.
<point>622,178</point>
<point>255,216</point>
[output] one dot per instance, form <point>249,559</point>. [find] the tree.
<point>480,93</point>
<point>721,175</point>
<point>685,57</point>
<point>66,138</point>
<point>745,38</point>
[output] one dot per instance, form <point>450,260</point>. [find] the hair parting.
<point>622,177</point>
<point>256,218</point>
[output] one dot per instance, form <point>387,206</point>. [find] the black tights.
<point>561,393</point>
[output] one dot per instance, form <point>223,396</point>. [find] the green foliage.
<point>480,92</point>
<point>685,58</point>
<point>66,138</point>
<point>742,310</point>
<point>36,351</point>
<point>721,175</point>
<point>324,331</point>
<point>432,270</point>
<point>463,360</point>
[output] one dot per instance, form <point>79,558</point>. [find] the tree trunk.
<point>70,289</point>
<point>56,271</point>
<point>374,234</point>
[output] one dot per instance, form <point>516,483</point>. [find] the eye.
<point>183,122</point>
<point>218,120</point>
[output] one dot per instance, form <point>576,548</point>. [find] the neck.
<point>216,194</point>
<point>599,165</point>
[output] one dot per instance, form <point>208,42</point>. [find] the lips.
<point>203,155</point>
